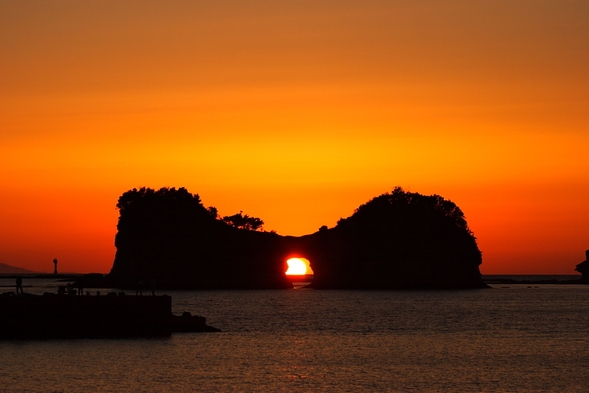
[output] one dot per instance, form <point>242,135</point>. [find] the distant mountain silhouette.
<point>7,269</point>
<point>400,240</point>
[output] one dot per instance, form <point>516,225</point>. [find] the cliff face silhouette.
<point>399,240</point>
<point>168,238</point>
<point>583,268</point>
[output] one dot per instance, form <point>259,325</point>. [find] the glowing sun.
<point>298,267</point>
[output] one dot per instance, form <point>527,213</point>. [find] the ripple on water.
<point>503,340</point>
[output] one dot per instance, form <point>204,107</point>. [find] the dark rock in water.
<point>583,268</point>
<point>63,316</point>
<point>400,240</point>
<point>191,323</point>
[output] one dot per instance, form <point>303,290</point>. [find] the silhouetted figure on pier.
<point>70,290</point>
<point>19,286</point>
<point>139,290</point>
<point>55,266</point>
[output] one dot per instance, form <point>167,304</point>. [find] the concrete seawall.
<point>56,316</point>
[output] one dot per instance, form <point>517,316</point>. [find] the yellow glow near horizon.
<point>298,267</point>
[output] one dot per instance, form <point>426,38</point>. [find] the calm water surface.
<point>510,339</point>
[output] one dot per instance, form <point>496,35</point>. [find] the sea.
<point>511,338</point>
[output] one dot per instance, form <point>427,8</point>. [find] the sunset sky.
<point>295,112</point>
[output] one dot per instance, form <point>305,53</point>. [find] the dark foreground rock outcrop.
<point>399,240</point>
<point>583,268</point>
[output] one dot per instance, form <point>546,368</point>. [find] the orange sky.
<point>295,112</point>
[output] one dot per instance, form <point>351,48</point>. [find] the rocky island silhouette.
<point>583,268</point>
<point>400,240</point>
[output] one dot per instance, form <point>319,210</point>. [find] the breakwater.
<point>110,316</point>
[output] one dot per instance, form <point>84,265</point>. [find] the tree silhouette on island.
<point>243,221</point>
<point>398,240</point>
